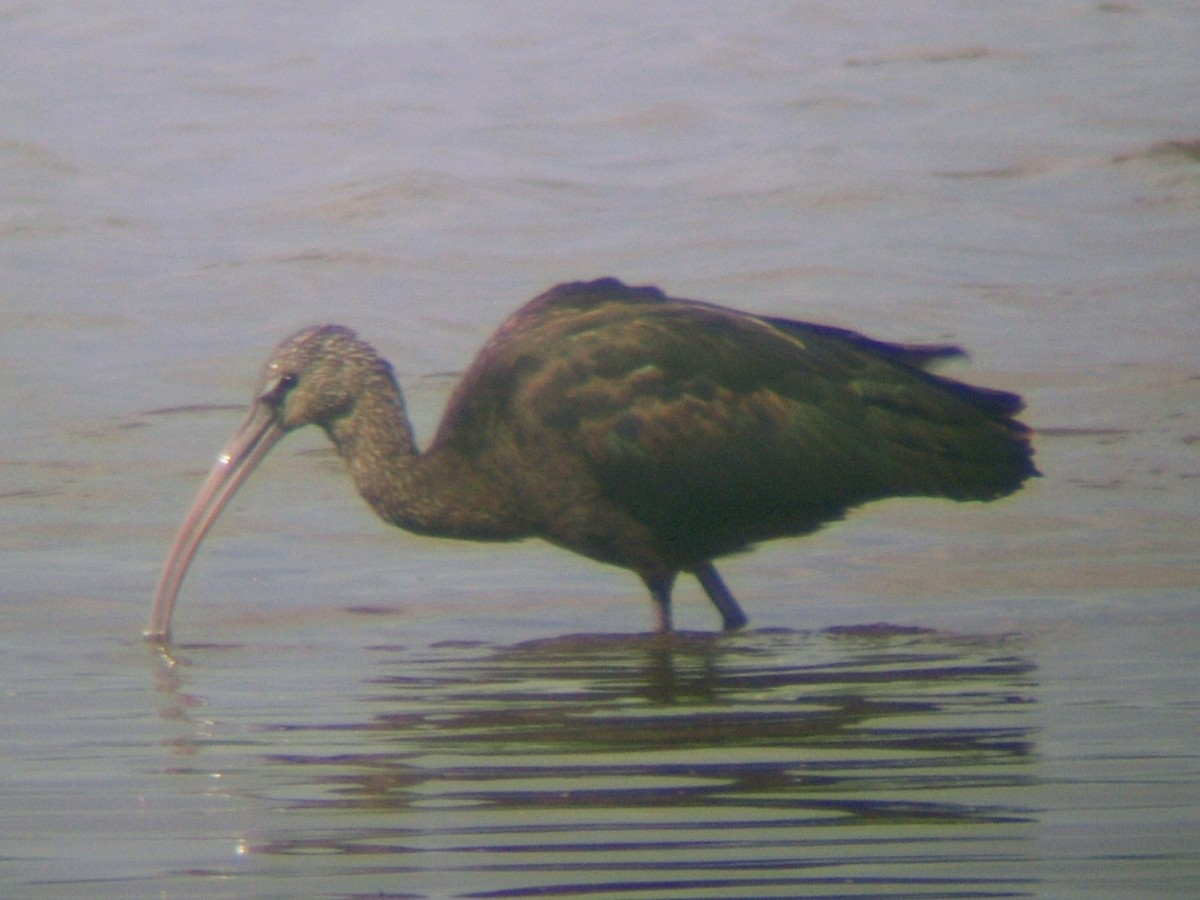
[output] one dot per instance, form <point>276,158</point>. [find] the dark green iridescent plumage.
<point>709,429</point>
<point>639,430</point>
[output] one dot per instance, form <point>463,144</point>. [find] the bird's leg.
<point>660,584</point>
<point>731,613</point>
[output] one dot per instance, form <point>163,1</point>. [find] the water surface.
<point>933,700</point>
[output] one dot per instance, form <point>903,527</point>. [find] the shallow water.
<point>933,700</point>
<point>609,765</point>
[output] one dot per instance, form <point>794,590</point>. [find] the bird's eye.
<point>278,389</point>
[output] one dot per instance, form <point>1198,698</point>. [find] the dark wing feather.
<point>919,356</point>
<point>717,429</point>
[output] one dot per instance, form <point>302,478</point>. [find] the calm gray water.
<point>932,700</point>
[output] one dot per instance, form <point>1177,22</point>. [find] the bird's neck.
<point>438,493</point>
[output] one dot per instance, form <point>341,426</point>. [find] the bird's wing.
<point>717,428</point>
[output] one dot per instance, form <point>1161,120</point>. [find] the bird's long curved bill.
<point>250,443</point>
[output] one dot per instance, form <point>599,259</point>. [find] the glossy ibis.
<point>648,432</point>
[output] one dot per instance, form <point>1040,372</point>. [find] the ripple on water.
<point>848,763</point>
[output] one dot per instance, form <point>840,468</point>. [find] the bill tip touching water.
<point>639,430</point>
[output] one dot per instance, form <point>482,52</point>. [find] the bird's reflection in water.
<point>619,720</point>
<point>761,762</point>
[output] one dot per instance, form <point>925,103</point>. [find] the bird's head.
<point>316,376</point>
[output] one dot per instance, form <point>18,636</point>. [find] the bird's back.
<point>713,428</point>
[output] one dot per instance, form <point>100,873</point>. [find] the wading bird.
<point>639,430</point>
